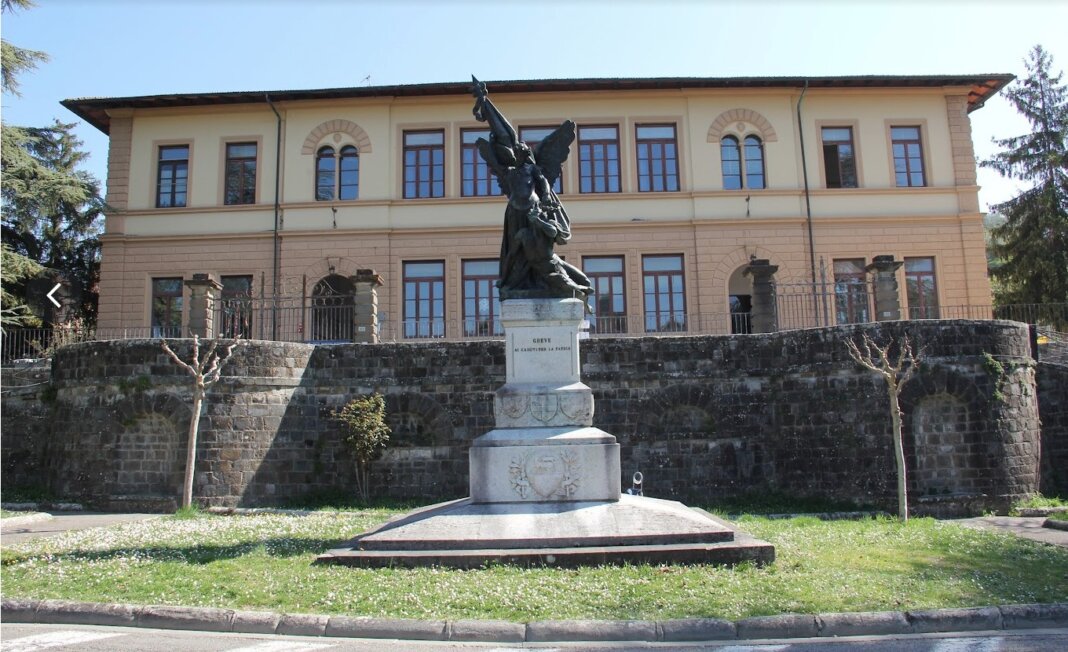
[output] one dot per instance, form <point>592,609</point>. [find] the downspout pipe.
<point>277,264</point>
<point>808,203</point>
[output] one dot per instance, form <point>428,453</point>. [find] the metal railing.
<point>297,320</point>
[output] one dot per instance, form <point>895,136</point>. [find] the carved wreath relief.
<point>545,475</point>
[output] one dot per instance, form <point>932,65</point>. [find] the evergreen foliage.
<point>15,268</point>
<point>1032,245</point>
<point>13,59</point>
<point>365,434</point>
<point>51,210</point>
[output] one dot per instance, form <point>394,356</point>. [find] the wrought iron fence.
<point>309,319</point>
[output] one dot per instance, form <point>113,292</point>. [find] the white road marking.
<point>283,646</point>
<point>53,639</point>
<point>967,645</point>
<point>752,648</point>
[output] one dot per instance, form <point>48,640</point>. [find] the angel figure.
<point>534,219</point>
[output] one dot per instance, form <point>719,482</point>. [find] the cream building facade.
<point>673,185</point>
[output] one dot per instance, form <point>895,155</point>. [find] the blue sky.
<point>109,48</point>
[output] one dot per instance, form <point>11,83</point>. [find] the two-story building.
<point>674,185</point>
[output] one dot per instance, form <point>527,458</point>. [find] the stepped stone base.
<point>464,534</point>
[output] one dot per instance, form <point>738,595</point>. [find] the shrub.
<point>364,434</point>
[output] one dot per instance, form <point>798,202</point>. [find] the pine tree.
<point>51,210</point>
<point>1032,244</point>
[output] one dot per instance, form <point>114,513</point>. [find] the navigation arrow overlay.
<point>52,298</point>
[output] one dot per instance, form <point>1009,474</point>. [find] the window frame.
<point>342,155</point>
<point>740,144</point>
<point>159,164</point>
<point>921,132</point>
<point>433,182</point>
<point>723,160</point>
<point>236,315</point>
<point>642,144</point>
<point>585,151</point>
<point>854,130</point>
<point>413,325</point>
<point>849,302</point>
<point>672,310</point>
<point>746,161</point>
<point>473,323</point>
<point>476,166</point>
<point>337,157</point>
<point>228,159</point>
<point>919,309</point>
<point>174,309</point>
<point>612,321</point>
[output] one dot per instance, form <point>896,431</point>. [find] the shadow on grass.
<point>196,554</point>
<point>773,502</point>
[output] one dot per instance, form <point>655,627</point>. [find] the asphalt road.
<point>27,638</point>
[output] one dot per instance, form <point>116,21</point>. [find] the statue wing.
<point>553,150</point>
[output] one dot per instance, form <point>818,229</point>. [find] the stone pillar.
<point>765,312</point>
<point>365,315</point>
<point>887,297</point>
<point>203,293</point>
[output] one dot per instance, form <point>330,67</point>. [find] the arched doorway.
<point>740,301</point>
<point>333,309</point>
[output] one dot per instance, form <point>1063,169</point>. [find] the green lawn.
<point>7,513</point>
<point>264,562</point>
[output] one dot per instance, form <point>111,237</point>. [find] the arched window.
<point>349,183</point>
<point>754,163</point>
<point>736,158</point>
<point>325,166</point>
<point>337,176</point>
<point>731,157</point>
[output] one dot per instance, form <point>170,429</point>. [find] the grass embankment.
<point>263,562</point>
<point>7,513</point>
<point>1038,501</point>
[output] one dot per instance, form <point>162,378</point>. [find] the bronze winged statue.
<point>534,219</point>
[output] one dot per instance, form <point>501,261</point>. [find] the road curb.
<point>783,626</point>
<point>1055,524</point>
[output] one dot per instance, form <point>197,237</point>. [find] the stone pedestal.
<point>887,297</point>
<point>765,311</point>
<point>365,312</point>
<point>544,447</point>
<point>203,293</point>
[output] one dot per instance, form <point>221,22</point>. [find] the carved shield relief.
<point>543,407</point>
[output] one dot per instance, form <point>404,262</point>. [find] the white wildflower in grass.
<point>264,562</point>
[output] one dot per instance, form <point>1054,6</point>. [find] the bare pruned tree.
<point>896,373</point>
<point>205,371</point>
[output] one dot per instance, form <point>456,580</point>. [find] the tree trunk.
<point>191,450</point>
<point>361,481</point>
<point>899,455</point>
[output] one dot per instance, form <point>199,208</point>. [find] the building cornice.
<point>98,111</point>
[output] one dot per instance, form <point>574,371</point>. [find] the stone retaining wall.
<point>703,418</point>
<point>1053,408</point>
